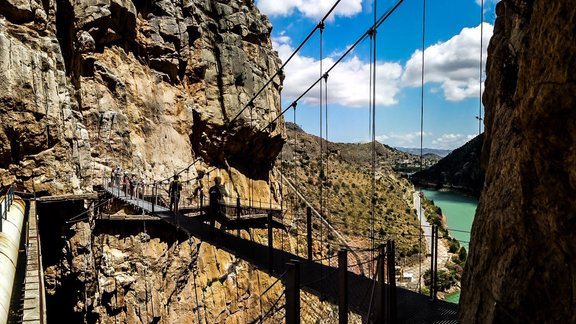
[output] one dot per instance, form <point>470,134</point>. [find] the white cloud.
<point>452,141</point>
<point>315,9</point>
<point>402,139</point>
<point>454,64</point>
<point>348,82</point>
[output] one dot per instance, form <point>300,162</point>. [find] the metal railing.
<point>7,199</point>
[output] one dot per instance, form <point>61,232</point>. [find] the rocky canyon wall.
<point>522,262</point>
<point>148,85</point>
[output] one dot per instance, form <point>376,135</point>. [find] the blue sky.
<point>452,67</point>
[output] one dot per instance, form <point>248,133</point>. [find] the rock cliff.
<point>151,85</point>
<point>522,262</point>
<point>148,85</point>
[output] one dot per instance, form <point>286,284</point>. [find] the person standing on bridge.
<point>126,184</point>
<point>199,185</point>
<point>217,193</point>
<point>174,191</point>
<point>133,182</point>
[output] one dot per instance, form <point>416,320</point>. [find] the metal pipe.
<point>9,245</point>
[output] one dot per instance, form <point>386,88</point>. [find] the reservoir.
<point>459,211</point>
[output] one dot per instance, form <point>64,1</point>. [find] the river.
<point>459,211</point>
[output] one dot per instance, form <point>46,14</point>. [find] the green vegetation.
<point>347,188</point>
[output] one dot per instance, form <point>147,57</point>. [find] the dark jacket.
<point>175,187</point>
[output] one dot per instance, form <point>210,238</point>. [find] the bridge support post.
<point>153,196</point>
<point>432,257</point>
<point>343,286</point>
<point>391,288</point>
<point>380,305</point>
<point>309,231</point>
<point>238,216</point>
<point>270,245</point>
<point>292,292</point>
<point>435,262</point>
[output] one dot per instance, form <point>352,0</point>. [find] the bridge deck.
<point>235,217</point>
<point>321,279</point>
<point>34,305</point>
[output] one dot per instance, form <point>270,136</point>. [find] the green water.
<point>459,211</point>
<point>453,297</point>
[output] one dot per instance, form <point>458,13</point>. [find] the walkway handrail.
<point>181,171</point>
<point>7,200</point>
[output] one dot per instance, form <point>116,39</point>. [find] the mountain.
<point>460,170</point>
<point>344,177</point>
<point>416,151</point>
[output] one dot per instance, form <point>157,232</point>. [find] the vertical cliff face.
<point>148,85</point>
<point>522,262</point>
<point>151,85</point>
<point>132,274</point>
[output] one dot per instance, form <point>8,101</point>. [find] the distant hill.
<point>459,170</point>
<point>425,151</point>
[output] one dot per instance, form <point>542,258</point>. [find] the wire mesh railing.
<point>276,306</point>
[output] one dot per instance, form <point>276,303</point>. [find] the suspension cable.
<point>322,21</point>
<point>321,162</point>
<point>295,207</point>
<point>326,174</point>
<point>281,165</point>
<point>421,140</point>
<point>480,68</point>
<point>372,104</point>
<point>375,26</point>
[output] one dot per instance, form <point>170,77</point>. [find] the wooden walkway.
<point>34,299</point>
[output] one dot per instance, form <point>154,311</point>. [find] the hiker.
<point>199,185</point>
<point>112,177</point>
<point>217,193</point>
<point>117,176</point>
<point>126,184</point>
<point>174,191</point>
<point>133,182</point>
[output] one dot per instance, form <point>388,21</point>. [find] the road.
<point>426,228</point>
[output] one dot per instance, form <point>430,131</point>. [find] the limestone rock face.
<point>147,85</point>
<point>44,143</point>
<point>522,260</point>
<point>88,85</point>
<point>125,273</point>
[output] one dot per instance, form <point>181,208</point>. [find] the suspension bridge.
<point>367,295</point>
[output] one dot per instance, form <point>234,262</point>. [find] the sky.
<point>451,68</point>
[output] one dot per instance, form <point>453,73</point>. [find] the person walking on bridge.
<point>199,185</point>
<point>174,191</point>
<point>126,183</point>
<point>217,193</point>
